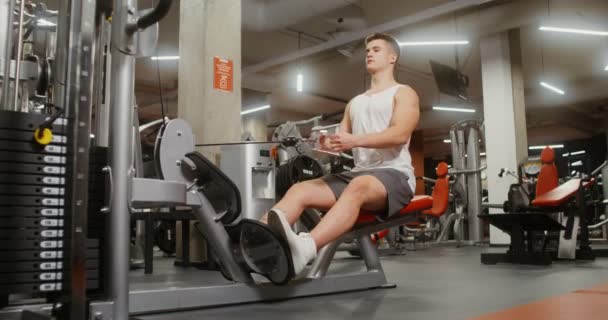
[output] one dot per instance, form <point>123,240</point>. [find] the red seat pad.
<point>417,204</point>
<point>559,195</point>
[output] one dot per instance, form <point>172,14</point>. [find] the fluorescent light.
<point>482,154</point>
<point>447,141</point>
<point>578,152</point>
<point>45,23</point>
<point>255,109</point>
<point>577,164</point>
<point>300,82</point>
<point>552,88</point>
<point>577,31</point>
<point>454,109</point>
<point>565,155</point>
<point>553,146</point>
<point>165,58</point>
<point>433,43</point>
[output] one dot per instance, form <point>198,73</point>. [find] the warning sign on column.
<point>223,71</point>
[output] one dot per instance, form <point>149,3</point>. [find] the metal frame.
<point>77,52</point>
<point>465,137</point>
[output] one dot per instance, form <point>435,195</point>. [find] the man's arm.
<point>345,123</point>
<point>406,112</point>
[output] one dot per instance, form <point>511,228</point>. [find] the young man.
<point>377,126</point>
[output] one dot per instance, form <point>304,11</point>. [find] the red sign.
<point>223,74</point>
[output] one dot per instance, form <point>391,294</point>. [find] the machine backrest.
<point>441,191</point>
<point>547,178</point>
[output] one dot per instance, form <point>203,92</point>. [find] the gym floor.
<point>434,283</point>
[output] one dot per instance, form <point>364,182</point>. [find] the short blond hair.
<point>394,44</point>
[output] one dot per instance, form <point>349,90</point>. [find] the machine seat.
<point>558,196</point>
<point>417,204</point>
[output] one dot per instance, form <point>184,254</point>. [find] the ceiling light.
<point>453,109</point>
<point>552,88</point>
<point>45,23</point>
<point>255,109</point>
<point>577,164</point>
<point>447,141</point>
<point>300,82</point>
<point>577,152</point>
<point>577,31</point>
<point>483,154</point>
<point>433,43</point>
<point>553,146</point>
<point>565,155</point>
<point>165,58</point>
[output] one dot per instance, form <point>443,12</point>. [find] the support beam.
<point>504,110</point>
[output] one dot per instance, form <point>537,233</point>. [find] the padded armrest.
<point>559,195</point>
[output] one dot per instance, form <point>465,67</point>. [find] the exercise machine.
<point>186,179</point>
<point>533,228</point>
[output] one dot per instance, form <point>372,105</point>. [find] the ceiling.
<point>334,75</point>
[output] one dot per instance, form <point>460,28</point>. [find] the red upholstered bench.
<point>561,194</point>
<point>417,205</point>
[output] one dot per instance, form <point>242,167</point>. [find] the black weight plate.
<point>12,167</point>
<point>305,168</point>
<point>32,147</point>
<point>28,136</point>
<point>32,255</point>
<point>36,277</point>
<point>25,266</point>
<point>38,233</point>
<point>25,190</point>
<point>27,201</point>
<point>20,222</point>
<point>34,158</point>
<point>32,179</point>
<point>43,287</point>
<point>31,212</point>
<point>28,121</point>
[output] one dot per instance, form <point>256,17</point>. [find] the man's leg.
<point>307,194</point>
<point>363,192</point>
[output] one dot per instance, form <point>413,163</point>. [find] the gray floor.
<point>435,283</point>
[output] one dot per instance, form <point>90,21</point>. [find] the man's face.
<point>380,56</point>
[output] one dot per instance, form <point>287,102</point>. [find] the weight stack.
<point>35,217</point>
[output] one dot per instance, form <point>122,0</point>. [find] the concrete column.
<point>208,29</point>
<point>504,115</point>
<point>256,125</point>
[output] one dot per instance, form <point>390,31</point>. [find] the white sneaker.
<point>303,247</point>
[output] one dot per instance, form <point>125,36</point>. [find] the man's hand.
<point>342,141</point>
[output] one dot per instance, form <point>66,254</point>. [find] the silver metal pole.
<point>59,72</point>
<point>219,241</point>
<point>7,56</point>
<point>121,148</point>
<point>474,185</point>
<point>3,27</point>
<point>369,253</point>
<point>18,57</point>
<point>140,225</point>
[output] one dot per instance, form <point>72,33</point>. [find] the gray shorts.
<point>399,193</point>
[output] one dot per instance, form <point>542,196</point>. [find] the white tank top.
<point>372,114</point>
